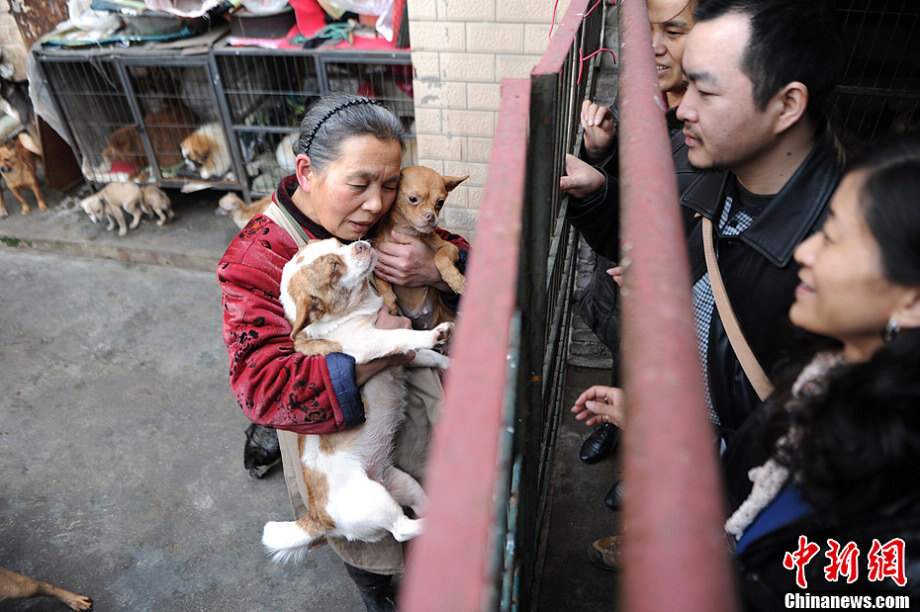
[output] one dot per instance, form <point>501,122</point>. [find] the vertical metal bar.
<point>673,513</point>
<point>451,566</point>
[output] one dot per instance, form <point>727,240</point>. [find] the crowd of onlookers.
<point>805,278</point>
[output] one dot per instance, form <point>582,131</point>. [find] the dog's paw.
<point>427,358</point>
<point>406,528</point>
<point>442,333</point>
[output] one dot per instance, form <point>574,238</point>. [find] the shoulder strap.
<point>749,363</point>
<point>279,215</point>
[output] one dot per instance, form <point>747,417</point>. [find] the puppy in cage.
<point>166,128</point>
<point>205,152</point>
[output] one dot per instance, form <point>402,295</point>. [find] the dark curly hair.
<point>860,443</point>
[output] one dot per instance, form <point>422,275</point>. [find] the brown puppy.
<point>166,129</point>
<point>241,212</point>
<point>419,198</point>
<point>17,164</point>
<point>17,586</point>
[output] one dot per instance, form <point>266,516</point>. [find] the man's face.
<point>722,125</point>
<point>671,22</point>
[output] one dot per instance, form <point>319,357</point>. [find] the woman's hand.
<point>601,404</point>
<point>600,129</point>
<point>581,179</point>
<point>385,320</point>
<point>408,262</point>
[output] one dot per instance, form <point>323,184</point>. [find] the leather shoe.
<point>614,497</point>
<point>600,443</point>
<point>607,553</point>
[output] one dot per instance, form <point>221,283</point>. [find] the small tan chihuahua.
<point>419,199</point>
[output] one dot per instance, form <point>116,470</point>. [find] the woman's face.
<point>351,193</point>
<point>843,292</point>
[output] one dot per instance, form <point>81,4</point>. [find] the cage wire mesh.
<point>268,94</point>
<point>134,118</point>
<point>880,93</point>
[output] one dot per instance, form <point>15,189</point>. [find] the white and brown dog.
<point>355,492</point>
<point>205,151</point>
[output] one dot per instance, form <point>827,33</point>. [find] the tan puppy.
<point>419,200</point>
<point>17,164</point>
<point>17,586</point>
<point>241,212</point>
<point>157,203</point>
<point>109,202</point>
<point>205,151</point>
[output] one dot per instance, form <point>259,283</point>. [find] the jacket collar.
<point>791,215</point>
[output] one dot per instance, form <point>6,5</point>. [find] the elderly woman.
<point>833,455</point>
<point>347,169</point>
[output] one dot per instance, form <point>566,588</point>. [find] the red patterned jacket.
<point>275,385</point>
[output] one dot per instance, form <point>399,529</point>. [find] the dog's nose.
<point>361,246</point>
<point>430,217</point>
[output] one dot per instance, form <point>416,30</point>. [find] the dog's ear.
<point>452,181</point>
<point>309,309</point>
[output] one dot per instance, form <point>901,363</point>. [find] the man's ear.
<point>791,103</point>
<point>908,314</point>
<point>303,170</point>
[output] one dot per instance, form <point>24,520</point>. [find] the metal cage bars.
<point>488,471</point>
<point>674,513</point>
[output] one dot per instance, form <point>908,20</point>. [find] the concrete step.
<point>195,239</point>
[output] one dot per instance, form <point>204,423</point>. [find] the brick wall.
<point>461,50</point>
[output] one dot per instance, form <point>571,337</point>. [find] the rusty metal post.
<point>675,553</point>
<point>452,567</point>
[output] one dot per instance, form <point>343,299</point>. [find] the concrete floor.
<point>120,442</point>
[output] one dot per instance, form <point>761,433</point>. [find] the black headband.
<point>331,112</point>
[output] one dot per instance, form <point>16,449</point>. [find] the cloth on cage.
<point>311,18</point>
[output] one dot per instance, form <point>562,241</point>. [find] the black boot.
<point>614,497</point>
<point>601,443</point>
<point>376,589</point>
<point>261,450</point>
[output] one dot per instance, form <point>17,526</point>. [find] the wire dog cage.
<point>267,94</point>
<point>143,115</point>
<point>880,93</point>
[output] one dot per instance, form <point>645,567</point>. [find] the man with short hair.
<point>760,74</point>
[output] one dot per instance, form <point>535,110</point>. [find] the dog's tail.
<point>287,541</point>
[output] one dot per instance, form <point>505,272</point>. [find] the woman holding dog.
<point>347,168</point>
<point>837,451</point>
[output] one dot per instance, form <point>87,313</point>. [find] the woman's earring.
<point>892,329</point>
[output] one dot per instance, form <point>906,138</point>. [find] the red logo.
<point>883,561</point>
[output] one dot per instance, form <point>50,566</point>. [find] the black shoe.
<point>601,443</point>
<point>261,450</point>
<point>614,498</point>
<point>376,590</point>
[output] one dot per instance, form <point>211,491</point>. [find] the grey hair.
<point>338,116</point>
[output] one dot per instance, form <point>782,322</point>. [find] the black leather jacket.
<point>757,267</point>
<point>758,270</point>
